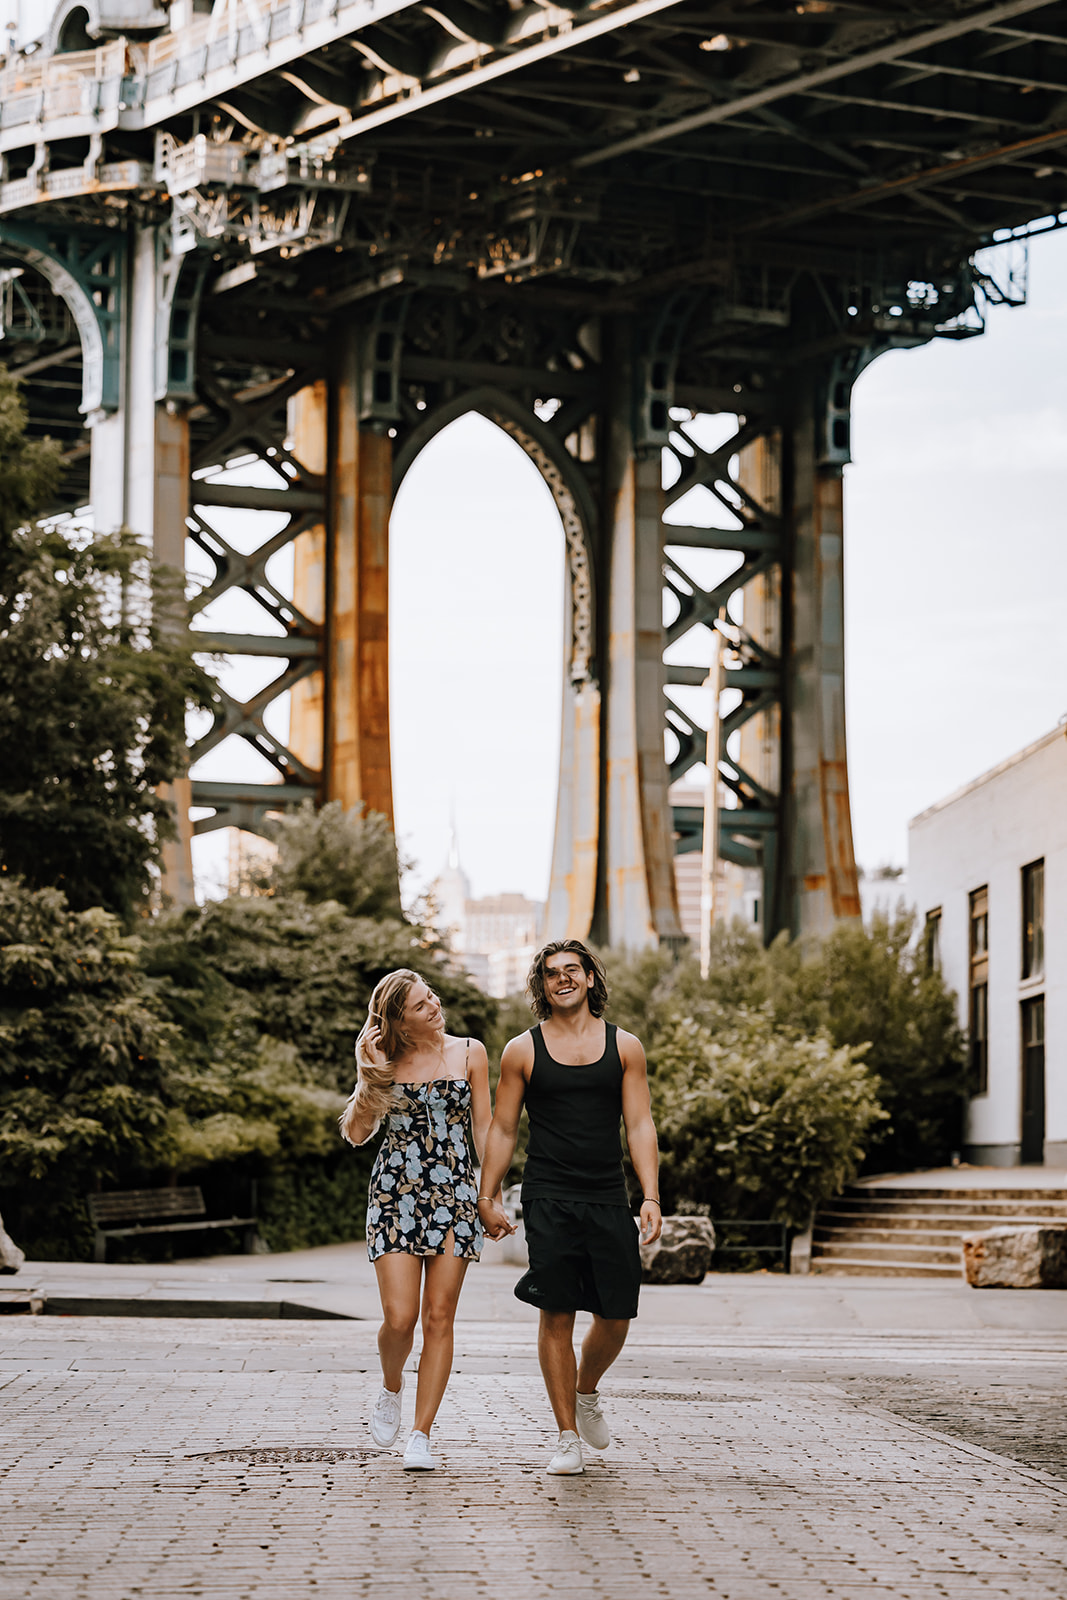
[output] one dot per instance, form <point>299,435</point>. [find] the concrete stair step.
<point>857,1267</point>
<point>947,1206</point>
<point>934,1220</point>
<point>1057,1192</point>
<point>885,1252</point>
<point>942,1239</point>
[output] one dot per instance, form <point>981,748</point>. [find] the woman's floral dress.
<point>422,1183</point>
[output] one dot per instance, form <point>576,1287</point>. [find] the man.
<point>579,1077</point>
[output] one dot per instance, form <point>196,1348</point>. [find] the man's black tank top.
<point>574,1151</point>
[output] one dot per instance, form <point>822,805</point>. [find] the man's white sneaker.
<point>591,1425</point>
<point>567,1461</point>
<point>385,1417</point>
<point>417,1455</point>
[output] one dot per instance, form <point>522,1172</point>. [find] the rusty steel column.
<point>356,757</point>
<point>171,507</point>
<point>309,432</point>
<point>820,878</point>
<point>639,906</point>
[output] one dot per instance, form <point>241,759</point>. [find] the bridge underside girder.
<point>306,237</point>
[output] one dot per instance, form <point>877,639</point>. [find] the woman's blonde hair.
<point>372,1098</point>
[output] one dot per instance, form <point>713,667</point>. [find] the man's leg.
<point>600,1347</point>
<point>555,1351</point>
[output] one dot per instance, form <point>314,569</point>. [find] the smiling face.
<point>567,984</point>
<point>423,1018</point>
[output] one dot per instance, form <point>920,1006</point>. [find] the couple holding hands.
<point>579,1077</point>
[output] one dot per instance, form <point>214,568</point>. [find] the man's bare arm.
<point>641,1133</point>
<point>503,1132</point>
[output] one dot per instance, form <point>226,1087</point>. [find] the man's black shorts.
<point>583,1257</point>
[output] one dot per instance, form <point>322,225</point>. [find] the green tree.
<point>333,854</point>
<point>94,683</point>
<point>30,469</point>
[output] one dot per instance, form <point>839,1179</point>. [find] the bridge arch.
<point>573,878</point>
<point>570,493</point>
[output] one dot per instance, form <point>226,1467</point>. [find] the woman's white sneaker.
<point>385,1416</point>
<point>567,1461</point>
<point>417,1454</point>
<point>591,1425</point>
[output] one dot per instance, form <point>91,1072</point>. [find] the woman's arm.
<point>355,1128</point>
<point>481,1104</point>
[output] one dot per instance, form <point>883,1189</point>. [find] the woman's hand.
<point>371,1046</point>
<point>494,1219</point>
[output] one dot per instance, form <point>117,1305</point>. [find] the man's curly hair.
<point>535,983</point>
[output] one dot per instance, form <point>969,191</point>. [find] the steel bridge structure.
<point>309,234</point>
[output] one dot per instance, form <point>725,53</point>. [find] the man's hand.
<point>651,1222</point>
<point>494,1219</point>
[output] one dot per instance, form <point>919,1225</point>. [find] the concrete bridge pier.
<point>139,465</point>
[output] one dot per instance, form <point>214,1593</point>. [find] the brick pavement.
<point>221,1459</point>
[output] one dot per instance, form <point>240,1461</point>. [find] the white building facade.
<point>987,871</point>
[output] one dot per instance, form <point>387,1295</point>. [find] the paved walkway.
<point>338,1280</point>
<point>757,1457</point>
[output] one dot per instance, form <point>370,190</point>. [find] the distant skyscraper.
<point>494,939</point>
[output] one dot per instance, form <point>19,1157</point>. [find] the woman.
<point>422,1210</point>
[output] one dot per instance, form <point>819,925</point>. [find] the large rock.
<point>11,1257</point>
<point>681,1254</point>
<point>1016,1258</point>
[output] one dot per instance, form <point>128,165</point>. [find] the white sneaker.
<point>567,1461</point>
<point>417,1454</point>
<point>591,1425</point>
<point>385,1417</point>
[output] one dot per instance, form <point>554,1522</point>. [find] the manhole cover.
<point>283,1456</point>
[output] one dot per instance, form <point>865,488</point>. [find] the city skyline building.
<point>495,937</point>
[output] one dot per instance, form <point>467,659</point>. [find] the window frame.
<point>1032,882</point>
<point>978,988</point>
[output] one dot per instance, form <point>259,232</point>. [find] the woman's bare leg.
<point>440,1297</point>
<point>399,1276</point>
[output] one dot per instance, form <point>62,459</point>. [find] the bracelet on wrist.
<point>653,1199</point>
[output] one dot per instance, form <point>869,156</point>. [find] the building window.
<point>1032,1144</point>
<point>932,940</point>
<point>978,1008</point>
<point>1034,920</point>
<point>979,1038</point>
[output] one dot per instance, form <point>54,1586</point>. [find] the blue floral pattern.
<point>422,1183</point>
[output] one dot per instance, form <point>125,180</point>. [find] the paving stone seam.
<point>1046,1479</point>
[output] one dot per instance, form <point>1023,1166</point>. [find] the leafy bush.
<point>858,986</point>
<point>84,1055</point>
<point>754,1122</point>
<point>215,1047</point>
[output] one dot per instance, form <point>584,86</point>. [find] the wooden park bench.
<point>147,1209</point>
